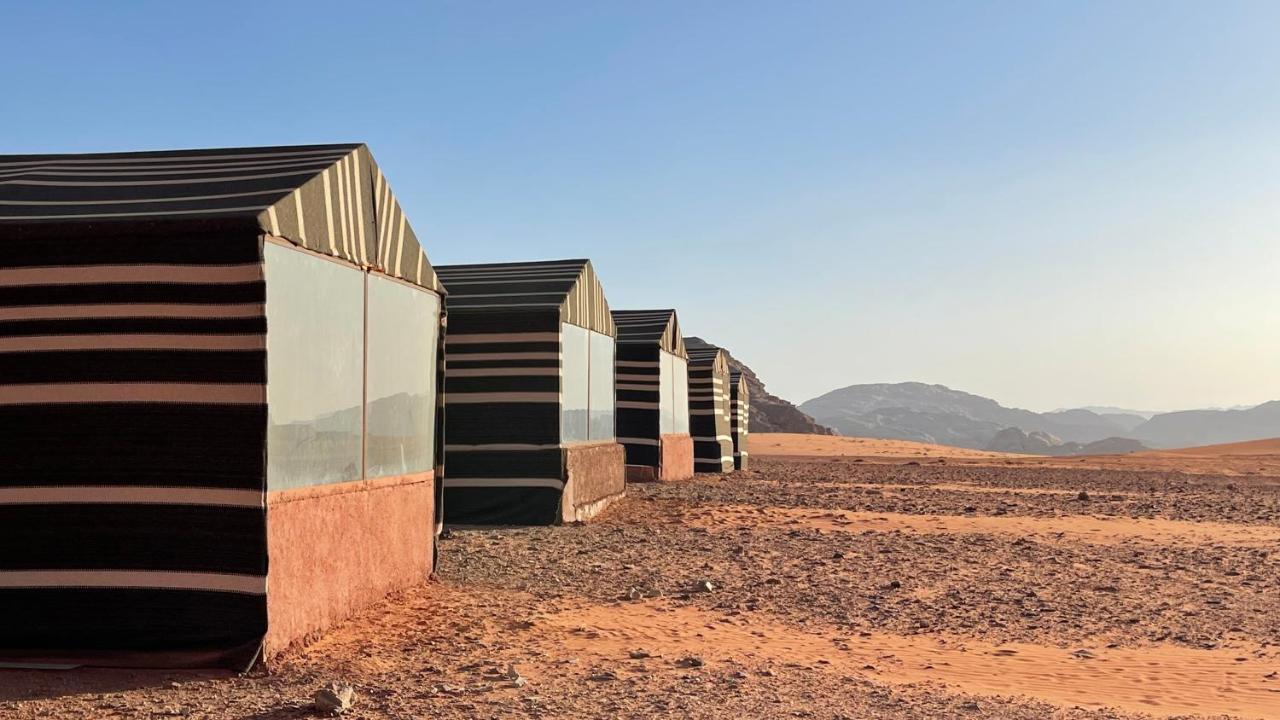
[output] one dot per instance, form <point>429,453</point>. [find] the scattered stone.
<point>605,676</point>
<point>1083,496</point>
<point>447,689</point>
<point>335,699</point>
<point>690,661</point>
<point>639,654</point>
<point>703,586</point>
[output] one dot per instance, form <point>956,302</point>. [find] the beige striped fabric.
<point>333,199</point>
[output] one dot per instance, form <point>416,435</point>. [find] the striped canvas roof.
<point>332,199</point>
<point>569,286</point>
<point>647,327</point>
<point>701,352</point>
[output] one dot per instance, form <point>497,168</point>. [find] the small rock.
<point>335,699</point>
<point>604,677</point>
<point>1083,496</point>
<point>703,586</point>
<point>639,654</point>
<point>690,661</point>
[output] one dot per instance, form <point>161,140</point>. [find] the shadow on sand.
<point>22,684</point>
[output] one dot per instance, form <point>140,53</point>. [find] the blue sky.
<point>1051,203</point>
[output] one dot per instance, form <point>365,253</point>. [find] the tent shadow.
<point>25,685</point>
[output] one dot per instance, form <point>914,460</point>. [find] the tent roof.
<point>648,327</point>
<point>567,286</point>
<point>332,199</point>
<point>703,353</point>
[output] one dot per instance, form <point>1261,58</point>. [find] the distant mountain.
<point>1111,410</point>
<point>1041,443</point>
<point>938,414</point>
<point>1210,427</point>
<point>770,413</point>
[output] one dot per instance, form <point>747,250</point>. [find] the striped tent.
<point>144,380</point>
<point>709,407</point>
<point>530,388</point>
<point>740,417</point>
<point>653,395</point>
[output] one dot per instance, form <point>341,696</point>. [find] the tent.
<point>653,395</point>
<point>740,417</point>
<point>709,407</point>
<point>220,435</point>
<point>530,389</point>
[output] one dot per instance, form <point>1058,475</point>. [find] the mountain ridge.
<point>938,414</point>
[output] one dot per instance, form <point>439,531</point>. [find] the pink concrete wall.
<point>336,549</point>
<point>595,477</point>
<point>676,461</point>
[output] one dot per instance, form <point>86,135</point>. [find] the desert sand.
<point>837,587</point>
<point>1258,458</point>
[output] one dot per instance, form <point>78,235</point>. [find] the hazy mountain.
<point>1210,427</point>
<point>1112,410</point>
<point>938,414</point>
<point>1041,443</point>
<point>770,413</point>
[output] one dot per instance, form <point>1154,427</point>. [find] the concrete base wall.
<point>335,549</point>
<point>677,457</point>
<point>595,476</point>
<point>642,473</point>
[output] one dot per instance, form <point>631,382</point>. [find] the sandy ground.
<point>1258,458</point>
<point>838,589</point>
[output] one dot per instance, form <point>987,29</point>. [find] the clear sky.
<point>1049,203</point>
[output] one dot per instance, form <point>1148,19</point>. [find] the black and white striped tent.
<point>530,394</point>
<point>653,395</point>
<point>181,333</point>
<point>740,417</point>
<point>709,407</point>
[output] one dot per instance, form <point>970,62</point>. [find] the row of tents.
<point>239,404</point>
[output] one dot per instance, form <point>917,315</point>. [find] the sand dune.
<point>1254,458</point>
<point>828,445</point>
<point>1270,446</point>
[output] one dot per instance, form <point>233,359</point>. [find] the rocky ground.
<point>803,588</point>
